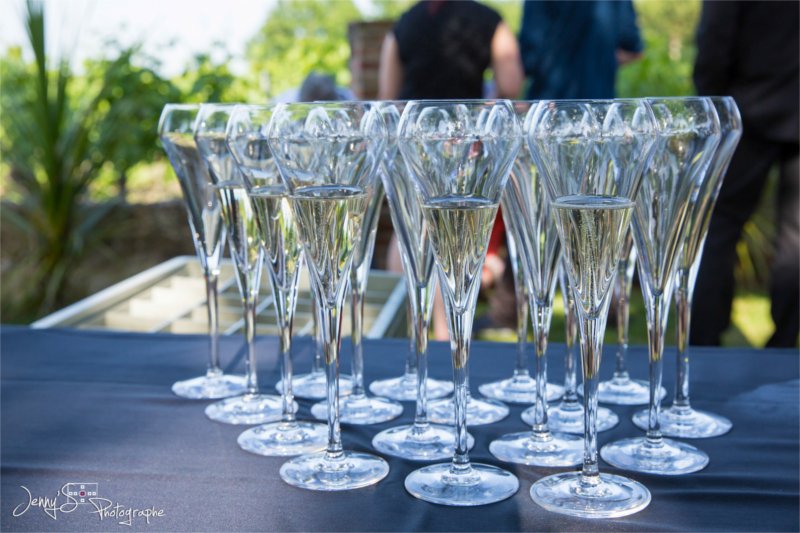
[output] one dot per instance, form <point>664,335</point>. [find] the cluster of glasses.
<point>303,183</point>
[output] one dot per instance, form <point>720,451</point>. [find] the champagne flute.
<point>245,135</point>
<point>520,387</point>
<point>459,154</point>
<point>591,155</point>
<point>689,132</point>
<point>209,133</point>
<point>621,389</point>
<point>535,233</point>
<point>328,154</point>
<point>680,419</point>
<point>175,128</point>
<point>420,441</point>
<point>358,407</point>
<point>567,416</point>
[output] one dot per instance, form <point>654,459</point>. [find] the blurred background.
<point>88,196</point>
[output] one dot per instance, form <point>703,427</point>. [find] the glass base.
<point>280,439</point>
<point>669,458</point>
<point>351,470</point>
<point>312,386</point>
<point>247,409</point>
<point>569,419</point>
<point>431,442</point>
<point>404,388</point>
<point>613,496</point>
<point>481,485</point>
<point>364,410</point>
<point>210,387</point>
<point>624,391</point>
<point>686,423</point>
<point>539,449</point>
<point>519,389</point>
<point>479,411</point>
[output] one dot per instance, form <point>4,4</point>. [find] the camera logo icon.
<point>81,492</point>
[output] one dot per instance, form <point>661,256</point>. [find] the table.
<point>96,408</point>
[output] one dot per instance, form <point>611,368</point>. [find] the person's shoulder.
<point>409,18</point>
<point>480,9</point>
<point>479,13</point>
<point>415,11</point>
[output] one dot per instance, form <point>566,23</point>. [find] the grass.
<point>751,324</point>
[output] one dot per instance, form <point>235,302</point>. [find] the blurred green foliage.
<point>56,136</point>
<point>299,37</point>
<point>668,29</point>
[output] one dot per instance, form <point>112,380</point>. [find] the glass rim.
<point>181,106</point>
<point>267,105</point>
<point>460,101</point>
<point>219,105</point>
<point>651,99</point>
<point>328,104</point>
<point>605,101</point>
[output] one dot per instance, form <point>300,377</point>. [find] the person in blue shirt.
<point>572,49</point>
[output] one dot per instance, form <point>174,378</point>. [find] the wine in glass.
<point>591,155</point>
<point>536,236</point>
<point>420,441</point>
<point>689,132</point>
<point>328,154</point>
<point>567,416</point>
<point>246,138</point>
<point>680,419</point>
<point>252,407</point>
<point>176,129</point>
<point>459,154</point>
<point>358,407</point>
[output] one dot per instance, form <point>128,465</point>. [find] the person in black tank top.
<point>440,50</point>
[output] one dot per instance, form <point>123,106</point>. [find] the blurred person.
<point>571,49</point>
<point>441,49</point>
<point>316,87</point>
<point>749,50</point>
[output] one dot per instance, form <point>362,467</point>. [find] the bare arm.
<point>624,56</point>
<point>506,62</point>
<point>390,72</point>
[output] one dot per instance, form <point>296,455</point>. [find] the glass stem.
<point>213,324</point>
<point>316,365</point>
<point>683,307</point>
<point>460,334</point>
<point>541,326</point>
<point>284,302</point>
<point>591,352</point>
<point>570,368</point>
<point>357,323</point>
<point>523,317</point>
<point>421,319</point>
<point>330,331</point>
<point>250,335</point>
<point>656,323</point>
<point>623,310</point>
<point>412,359</point>
<point>624,283</point>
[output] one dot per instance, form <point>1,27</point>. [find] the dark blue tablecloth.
<point>96,408</point>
